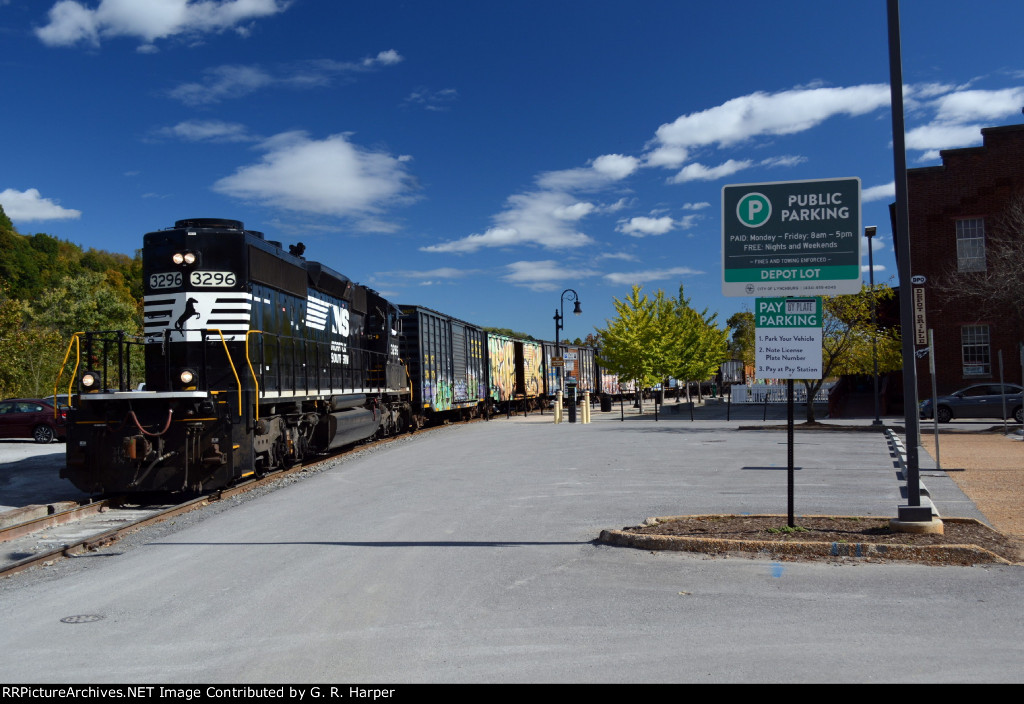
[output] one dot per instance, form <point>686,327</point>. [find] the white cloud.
<point>207,131</point>
<point>433,100</point>
<point>384,58</point>
<point>222,82</point>
<point>574,211</point>
<point>699,172</point>
<point>235,81</point>
<point>696,206</point>
<point>641,277</point>
<point>328,177</point>
<point>883,192</point>
<point>28,206</point>
<point>644,226</point>
<point>546,275</point>
<point>789,160</point>
<point>979,105</point>
<point>748,116</point>
<point>618,255</point>
<point>70,22</point>
<point>959,118</point>
<point>943,136</point>
<point>602,171</point>
<point>536,218</point>
<point>444,272</point>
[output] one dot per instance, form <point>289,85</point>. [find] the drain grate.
<point>82,618</point>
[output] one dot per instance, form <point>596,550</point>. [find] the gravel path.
<point>992,476</point>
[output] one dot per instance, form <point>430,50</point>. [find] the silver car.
<point>978,401</point>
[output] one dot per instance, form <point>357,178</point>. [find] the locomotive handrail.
<point>230,362</point>
<point>78,355</point>
<point>255,379</point>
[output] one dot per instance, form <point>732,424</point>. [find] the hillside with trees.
<point>50,289</point>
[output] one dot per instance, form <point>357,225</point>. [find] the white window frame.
<point>976,350</point>
<point>970,244</point>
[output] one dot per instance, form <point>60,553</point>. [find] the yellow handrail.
<point>75,340</point>
<point>232,363</point>
<point>255,379</point>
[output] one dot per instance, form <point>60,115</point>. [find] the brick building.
<point>954,209</point>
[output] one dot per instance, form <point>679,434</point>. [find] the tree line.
<point>51,289</point>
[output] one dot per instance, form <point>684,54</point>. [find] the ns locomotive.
<point>254,358</point>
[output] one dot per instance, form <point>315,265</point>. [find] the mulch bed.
<point>964,541</point>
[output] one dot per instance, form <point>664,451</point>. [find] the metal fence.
<point>776,393</point>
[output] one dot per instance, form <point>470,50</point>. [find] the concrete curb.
<point>772,548</point>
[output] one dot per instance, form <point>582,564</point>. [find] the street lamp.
<point>869,232</point>
<point>559,317</point>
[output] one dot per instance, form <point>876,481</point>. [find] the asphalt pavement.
<point>468,554</point>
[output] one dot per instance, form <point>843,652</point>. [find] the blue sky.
<point>479,158</point>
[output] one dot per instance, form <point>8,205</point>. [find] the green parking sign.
<point>791,238</point>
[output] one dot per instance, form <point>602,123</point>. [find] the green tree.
<point>654,339</point>
<point>701,345</point>
<point>13,344</point>
<point>744,337</point>
<point>625,344</point>
<point>846,339</point>
<point>88,301</point>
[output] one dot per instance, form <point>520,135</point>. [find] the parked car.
<point>978,401</point>
<point>32,418</point>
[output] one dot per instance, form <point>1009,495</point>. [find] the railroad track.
<point>85,528</point>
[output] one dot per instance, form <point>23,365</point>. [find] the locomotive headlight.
<point>90,380</point>
<point>187,376</point>
<point>180,258</point>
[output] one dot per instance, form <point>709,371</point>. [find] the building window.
<point>970,244</point>
<point>976,350</point>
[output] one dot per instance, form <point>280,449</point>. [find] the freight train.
<point>254,358</point>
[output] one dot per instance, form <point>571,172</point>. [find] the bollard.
<point>558,407</point>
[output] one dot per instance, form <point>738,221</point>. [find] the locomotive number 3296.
<point>212,278</point>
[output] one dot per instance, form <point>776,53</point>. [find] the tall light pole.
<point>559,317</point>
<point>869,232</point>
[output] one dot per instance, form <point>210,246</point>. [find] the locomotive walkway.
<point>467,555</point>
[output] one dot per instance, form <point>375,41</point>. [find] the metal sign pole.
<point>789,439</point>
<point>935,412</point>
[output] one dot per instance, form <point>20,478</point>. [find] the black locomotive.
<point>254,359</point>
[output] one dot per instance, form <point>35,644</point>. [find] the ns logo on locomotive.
<point>254,359</point>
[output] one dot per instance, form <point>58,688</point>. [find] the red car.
<point>31,418</point>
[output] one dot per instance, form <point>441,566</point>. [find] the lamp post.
<point>870,232</point>
<point>559,317</point>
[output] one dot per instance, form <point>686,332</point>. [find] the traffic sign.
<point>791,238</point>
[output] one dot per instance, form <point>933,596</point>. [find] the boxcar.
<point>515,369</point>
<point>447,363</point>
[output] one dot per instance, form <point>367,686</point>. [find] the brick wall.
<point>977,182</point>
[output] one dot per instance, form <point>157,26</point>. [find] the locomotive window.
<point>166,280</point>
<point>219,279</point>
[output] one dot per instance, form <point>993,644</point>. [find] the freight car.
<point>254,359</point>
<point>447,363</point>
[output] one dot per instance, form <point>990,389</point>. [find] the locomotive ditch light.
<point>180,258</point>
<point>187,376</point>
<point>91,380</point>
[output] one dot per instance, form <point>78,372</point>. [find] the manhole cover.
<point>82,618</point>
